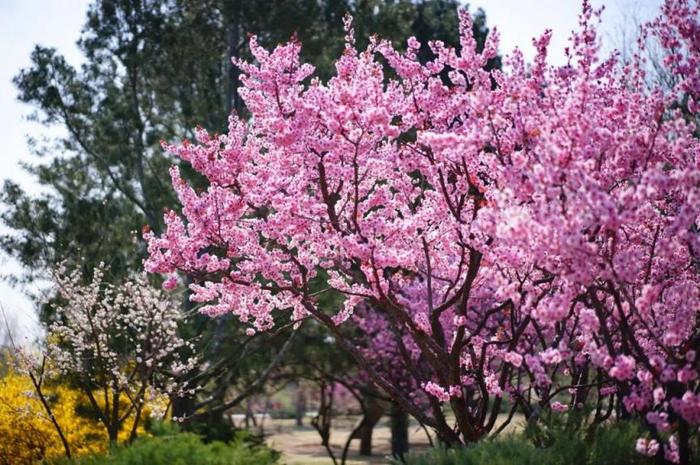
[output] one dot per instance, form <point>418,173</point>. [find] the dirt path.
<point>302,445</point>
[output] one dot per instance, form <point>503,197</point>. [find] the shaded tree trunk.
<point>322,421</point>
<point>399,431</point>
<point>232,11</point>
<point>183,406</point>
<point>37,388</point>
<point>249,415</point>
<point>300,405</point>
<point>374,412</point>
<point>683,443</point>
<point>113,434</point>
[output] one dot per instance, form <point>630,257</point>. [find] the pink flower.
<point>647,447</point>
<point>559,407</point>
<point>671,450</point>
<point>513,358</point>
<point>455,391</point>
<point>551,356</point>
<point>171,283</point>
<point>436,391</point>
<point>608,390</point>
<point>659,419</point>
<point>659,395</point>
<point>589,320</point>
<point>623,368</point>
<point>688,407</point>
<point>492,386</point>
<point>413,43</point>
<point>686,374</point>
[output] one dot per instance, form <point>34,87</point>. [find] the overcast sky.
<point>24,23</point>
<point>57,23</point>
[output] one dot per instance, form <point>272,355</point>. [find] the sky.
<point>57,23</point>
<point>520,21</point>
<point>24,23</point>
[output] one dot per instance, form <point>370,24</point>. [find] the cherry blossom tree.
<point>530,234</point>
<point>120,343</point>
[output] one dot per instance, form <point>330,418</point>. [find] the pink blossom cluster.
<point>522,233</point>
<point>437,391</point>
<point>648,447</point>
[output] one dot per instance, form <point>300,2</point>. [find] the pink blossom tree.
<point>532,232</point>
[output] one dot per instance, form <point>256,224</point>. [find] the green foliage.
<point>606,445</point>
<point>213,428</point>
<point>170,447</point>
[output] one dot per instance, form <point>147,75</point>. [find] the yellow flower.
<point>28,435</point>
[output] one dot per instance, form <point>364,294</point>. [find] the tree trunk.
<point>399,432</point>
<point>300,406</point>
<point>49,412</point>
<point>233,19</point>
<point>182,406</point>
<point>263,415</point>
<point>113,433</point>
<point>683,443</point>
<point>322,421</point>
<point>374,413</point>
<point>249,415</point>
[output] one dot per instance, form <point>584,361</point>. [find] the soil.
<point>302,445</point>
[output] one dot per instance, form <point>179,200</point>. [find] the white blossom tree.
<point>119,342</point>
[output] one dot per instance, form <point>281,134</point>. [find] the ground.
<point>302,445</point>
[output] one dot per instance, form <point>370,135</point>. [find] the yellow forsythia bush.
<point>26,433</point>
<point>28,436</point>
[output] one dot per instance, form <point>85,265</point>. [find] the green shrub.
<point>213,428</point>
<point>607,445</point>
<point>169,447</point>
